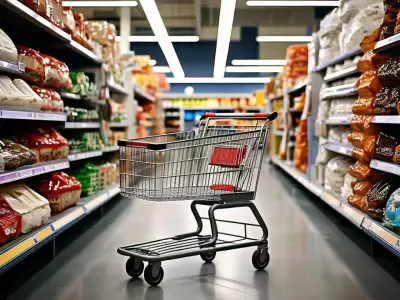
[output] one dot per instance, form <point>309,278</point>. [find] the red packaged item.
<point>359,154</point>
<point>363,140</point>
<point>363,106</point>
<point>61,190</point>
<point>361,188</point>
<point>35,64</point>
<point>56,13</point>
<point>68,20</point>
<point>10,222</point>
<point>47,144</point>
<point>42,7</point>
<point>357,201</point>
<point>46,95</point>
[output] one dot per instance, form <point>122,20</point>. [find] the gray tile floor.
<point>310,257</point>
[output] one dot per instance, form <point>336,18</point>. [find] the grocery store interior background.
<point>278,140</point>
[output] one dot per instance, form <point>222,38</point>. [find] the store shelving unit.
<point>340,91</point>
<point>33,170</point>
<point>375,230</point>
<point>42,35</point>
<point>343,119</point>
<point>21,247</point>
<point>141,95</point>
<point>344,149</point>
<point>339,59</point>
<point>341,74</point>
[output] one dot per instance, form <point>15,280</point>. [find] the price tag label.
<point>367,223</point>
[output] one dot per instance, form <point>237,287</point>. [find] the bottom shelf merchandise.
<point>375,229</point>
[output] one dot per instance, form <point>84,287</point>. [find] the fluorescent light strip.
<point>153,39</point>
<point>219,80</point>
<point>293,3</point>
<point>253,69</point>
<point>259,62</point>
<point>283,38</point>
<point>100,3</point>
<point>157,25</point>
<point>226,14</point>
<point>161,69</point>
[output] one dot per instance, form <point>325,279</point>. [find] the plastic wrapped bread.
<point>21,208</point>
<point>10,222</point>
<point>8,51</point>
<point>10,95</point>
<point>35,102</point>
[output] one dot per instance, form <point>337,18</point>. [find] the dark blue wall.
<point>197,60</point>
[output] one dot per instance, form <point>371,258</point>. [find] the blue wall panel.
<point>197,60</point>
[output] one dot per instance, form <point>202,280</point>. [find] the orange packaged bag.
<point>357,201</point>
<point>363,106</point>
<point>369,41</point>
<point>363,140</point>
<point>367,84</point>
<point>362,171</point>
<point>361,188</point>
<point>364,123</point>
<point>359,154</point>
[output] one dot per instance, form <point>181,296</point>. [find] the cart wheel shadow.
<point>138,289</point>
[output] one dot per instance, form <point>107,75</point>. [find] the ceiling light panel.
<point>153,39</point>
<point>161,69</point>
<point>226,14</point>
<point>100,3</point>
<point>157,25</point>
<point>259,62</point>
<point>293,3</point>
<point>284,38</point>
<point>254,69</point>
<point>219,80</point>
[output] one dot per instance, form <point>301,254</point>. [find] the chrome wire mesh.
<point>185,169</point>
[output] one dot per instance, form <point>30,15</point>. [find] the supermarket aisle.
<point>310,257</point>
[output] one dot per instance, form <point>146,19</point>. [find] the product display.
<point>61,190</point>
<point>15,155</point>
<point>8,51</point>
<point>89,178</point>
<point>85,141</point>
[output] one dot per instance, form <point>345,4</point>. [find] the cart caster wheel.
<point>150,277</point>
<point>134,267</point>
<point>260,259</point>
<point>208,257</point>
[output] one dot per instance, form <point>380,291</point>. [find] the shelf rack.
<point>340,91</point>
<point>141,95</point>
<point>344,149</point>
<point>341,74</point>
<point>11,68</point>
<point>375,230</point>
<point>26,244</point>
<point>338,59</point>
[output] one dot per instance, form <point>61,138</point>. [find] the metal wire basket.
<point>221,160</point>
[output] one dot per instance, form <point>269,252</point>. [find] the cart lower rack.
<point>218,166</point>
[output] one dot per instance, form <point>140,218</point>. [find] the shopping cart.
<point>217,165</point>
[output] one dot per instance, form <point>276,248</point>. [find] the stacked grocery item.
<point>104,38</point>
<point>118,112</point>
<point>84,142</point>
<point>296,69</point>
<point>14,155</point>
<point>81,84</point>
<point>64,18</point>
<point>114,136</point>
<point>46,143</point>
<point>81,114</point>
<point>301,147</point>
<point>143,76</point>
<point>61,190</point>
<point>335,172</point>
<point>22,210</point>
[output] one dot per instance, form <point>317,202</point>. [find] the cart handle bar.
<point>268,116</point>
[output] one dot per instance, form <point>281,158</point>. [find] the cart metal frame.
<point>193,243</point>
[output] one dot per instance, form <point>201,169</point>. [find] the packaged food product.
<point>362,171</point>
<point>24,155</point>
<point>35,102</point>
<point>357,201</point>
<point>363,140</point>
<point>388,25</point>
<point>367,84</point>
<point>43,8</point>
<point>389,72</point>
<point>364,106</point>
<point>61,190</point>
<point>385,147</point>
<point>89,177</point>
<point>364,123</point>
<point>26,211</point>
<point>68,20</point>
<point>335,171</point>
<point>361,188</point>
<point>359,154</point>
<point>391,217</point>
<point>386,100</point>
<point>46,143</point>
<point>52,99</point>
<point>365,63</point>
<point>377,198</point>
<point>369,41</point>
<point>10,222</point>
<point>34,64</point>
<point>8,51</point>
<point>396,157</point>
